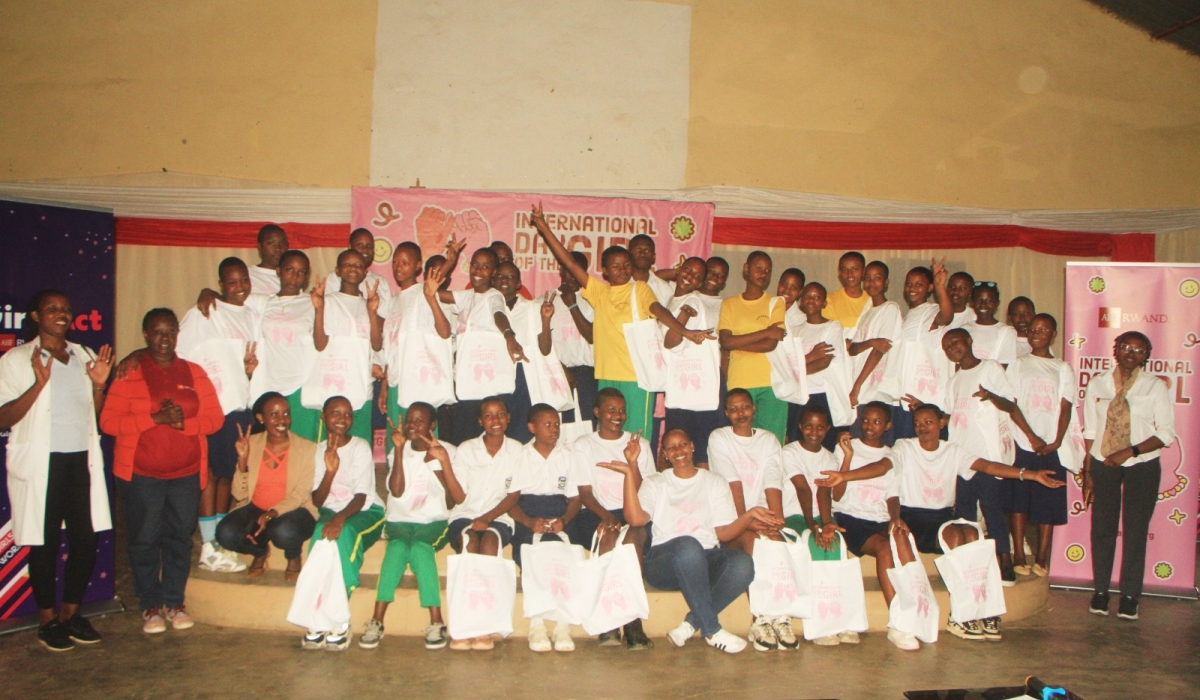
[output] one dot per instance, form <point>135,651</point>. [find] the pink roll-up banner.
<point>1161,301</point>
<point>586,224</point>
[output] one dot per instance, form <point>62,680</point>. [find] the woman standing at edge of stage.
<point>50,393</point>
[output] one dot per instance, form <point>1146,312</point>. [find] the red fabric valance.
<point>224,234</point>
<point>837,235</point>
<point>761,233</point>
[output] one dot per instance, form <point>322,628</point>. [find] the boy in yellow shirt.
<point>751,325</point>
<point>613,302</point>
<point>846,304</point>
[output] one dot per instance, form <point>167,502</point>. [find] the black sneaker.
<point>635,637</point>
<point>611,638</point>
<point>1128,608</point>
<point>991,628</point>
<point>80,630</point>
<point>1099,604</point>
<point>53,636</point>
<point>1008,576</point>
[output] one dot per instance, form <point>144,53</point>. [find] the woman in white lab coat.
<point>50,392</point>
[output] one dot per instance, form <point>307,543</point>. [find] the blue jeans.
<point>160,515</point>
<point>289,532</point>
<point>710,579</point>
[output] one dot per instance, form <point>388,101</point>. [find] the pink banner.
<point>586,224</point>
<point>1163,302</point>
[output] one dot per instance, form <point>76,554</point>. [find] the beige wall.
<point>261,90</point>
<point>1021,104</point>
<point>1025,104</point>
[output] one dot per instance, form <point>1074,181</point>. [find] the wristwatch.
<point>1135,450</point>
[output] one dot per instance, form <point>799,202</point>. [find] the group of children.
<point>481,387</point>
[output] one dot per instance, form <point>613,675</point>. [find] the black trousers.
<point>68,500</point>
<point>289,532</point>
<point>1124,499</point>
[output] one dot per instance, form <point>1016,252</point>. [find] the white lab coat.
<point>28,455</point>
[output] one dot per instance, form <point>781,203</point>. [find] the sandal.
<point>258,567</point>
<point>291,575</point>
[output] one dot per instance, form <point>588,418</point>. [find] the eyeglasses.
<point>989,285</point>
<point>1138,352</point>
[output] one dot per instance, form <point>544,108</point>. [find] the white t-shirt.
<point>424,499</point>
<point>1041,383</point>
<point>285,350</point>
<point>1023,347</point>
<point>70,402</point>
<point>881,321</point>
<point>572,348</point>
<point>962,318</point>
<point>793,318</point>
<point>477,312</point>
<point>333,283</point>
<point>978,426</point>
<point>607,486</point>
<point>712,305</point>
<point>355,474</point>
<point>995,342</point>
<point>218,344</point>
<point>486,478</point>
<point>745,460</point>
<point>545,476</point>
<point>838,370</point>
<point>663,290</point>
<point>262,280</point>
<point>866,499</point>
<point>679,507</point>
<point>798,461</point>
<point>929,479</point>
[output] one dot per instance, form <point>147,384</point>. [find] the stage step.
<point>234,600</point>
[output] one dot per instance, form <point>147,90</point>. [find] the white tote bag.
<point>481,592</point>
<point>775,591</point>
<point>582,425</point>
<point>547,380</point>
<point>613,588</point>
<point>427,369</point>
<point>693,376</point>
<point>645,348</point>
<point>343,368</point>
<point>551,580</point>
<point>320,601</point>
<point>483,367</point>
<point>972,575</point>
<point>914,609</point>
<point>839,602</point>
<point>789,377</point>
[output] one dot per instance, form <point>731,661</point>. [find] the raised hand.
<point>433,281</point>
<point>373,298</point>
<point>398,437</point>
<point>548,306</point>
<point>844,442</point>
<point>911,401</point>
<point>99,368</point>
<point>250,361</point>
<point>454,247</point>
<point>318,295</point>
<point>206,300</point>
<point>939,272</point>
<point>332,460</point>
<point>242,446</point>
<point>633,449</point>
<point>537,218</point>
<point>435,449</point>
<point>41,371</point>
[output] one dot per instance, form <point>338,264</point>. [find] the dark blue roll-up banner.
<point>74,251</point>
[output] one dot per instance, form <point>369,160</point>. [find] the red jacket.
<point>127,414</point>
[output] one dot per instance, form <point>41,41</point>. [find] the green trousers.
<point>359,532</point>
<point>415,546</point>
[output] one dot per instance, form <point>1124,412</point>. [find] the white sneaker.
<point>562,637</point>
<point>231,562</point>
<point>726,642</point>
<point>903,640</point>
<point>848,637</point>
<point>830,640</point>
<point>681,634</point>
<point>762,636</point>
<point>210,558</point>
<point>783,632</point>
<point>538,639</point>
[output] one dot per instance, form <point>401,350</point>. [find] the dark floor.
<point>1097,658</point>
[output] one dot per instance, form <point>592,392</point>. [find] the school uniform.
<point>1041,385</point>
<point>862,509</point>
<point>698,423</point>
<point>927,483</point>
<point>355,475</point>
<point>575,353</point>
<point>487,480</point>
<point>830,388</point>
<point>607,486</point>
<point>545,486</point>
<point>982,429</point>
<point>416,528</point>
<point>751,370</point>
<point>995,342</point>
<point>882,321</point>
<point>797,461</point>
<point>286,355</point>
<point>614,367</point>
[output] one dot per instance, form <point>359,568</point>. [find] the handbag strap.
<point>595,550</point>
<point>896,553</point>
<point>960,521</point>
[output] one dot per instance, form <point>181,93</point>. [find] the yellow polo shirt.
<point>749,370</point>
<point>613,311</point>
<point>840,307</point>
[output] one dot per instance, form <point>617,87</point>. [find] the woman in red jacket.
<point>160,412</point>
